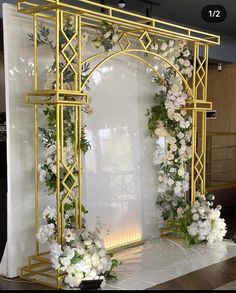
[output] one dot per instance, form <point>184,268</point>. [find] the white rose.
<point>163,46</point>
<point>154,46</point>
<point>161,132</point>
<point>187,63</point>
<point>88,242</point>
<point>183,112</point>
<point>177,116</point>
<point>171,43</point>
<point>187,124</point>
<point>173,147</point>
<point>181,171</point>
<point>181,61</point>
<point>176,53</point>
<point>170,181</point>
<point>180,211</point>
<point>195,217</point>
<point>192,229</point>
<point>169,156</point>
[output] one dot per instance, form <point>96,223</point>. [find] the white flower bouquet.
<point>199,223</point>
<point>82,257</point>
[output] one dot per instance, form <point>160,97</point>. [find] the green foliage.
<point>111,275</point>
<point>42,37</point>
<point>84,143</point>
<point>105,36</point>
<point>76,258</point>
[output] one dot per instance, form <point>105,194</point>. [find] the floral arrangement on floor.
<point>200,223</point>
<point>83,256</point>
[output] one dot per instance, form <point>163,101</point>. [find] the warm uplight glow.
<point>124,238</point>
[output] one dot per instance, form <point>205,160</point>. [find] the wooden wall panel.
<point>222,92</point>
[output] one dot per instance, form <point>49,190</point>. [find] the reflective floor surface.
<point>160,260</point>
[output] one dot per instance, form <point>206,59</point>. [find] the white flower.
<point>154,46</point>
<point>177,117</point>
<point>65,261</point>
<point>169,156</point>
<point>163,46</point>
<point>72,281</point>
<point>171,43</point>
<point>173,147</point>
<point>54,169</point>
<point>49,213</point>
<point>55,249</point>
<point>176,52</point>
<point>180,135</point>
<point>192,229</point>
<point>46,233</point>
<point>42,175</point>
<point>115,38</point>
<point>161,132</point>
<point>88,242</point>
<point>187,63</point>
<point>69,235</point>
<point>195,217</point>
<point>178,189</point>
<point>115,28</point>
<point>186,53</point>
<point>170,181</point>
<point>107,35</point>
<point>183,112</point>
<point>180,211</point>
<point>181,171</point>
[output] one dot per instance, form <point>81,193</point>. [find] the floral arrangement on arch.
<point>199,223</point>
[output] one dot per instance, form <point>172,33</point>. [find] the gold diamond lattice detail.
<point>124,42</point>
<point>145,40</point>
<point>69,181</point>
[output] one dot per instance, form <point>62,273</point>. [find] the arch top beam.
<point>89,9</point>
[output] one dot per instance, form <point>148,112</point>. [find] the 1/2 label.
<point>214,13</point>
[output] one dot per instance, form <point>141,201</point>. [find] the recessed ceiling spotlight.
<point>121,4</point>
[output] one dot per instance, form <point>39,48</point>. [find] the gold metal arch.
<point>128,52</point>
<point>86,14</point>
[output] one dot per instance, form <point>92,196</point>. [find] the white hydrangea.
<point>50,213</point>
<point>46,233</point>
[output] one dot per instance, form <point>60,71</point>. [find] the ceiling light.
<point>121,4</point>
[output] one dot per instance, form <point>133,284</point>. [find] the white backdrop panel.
<point>120,177</point>
<point>120,180</point>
